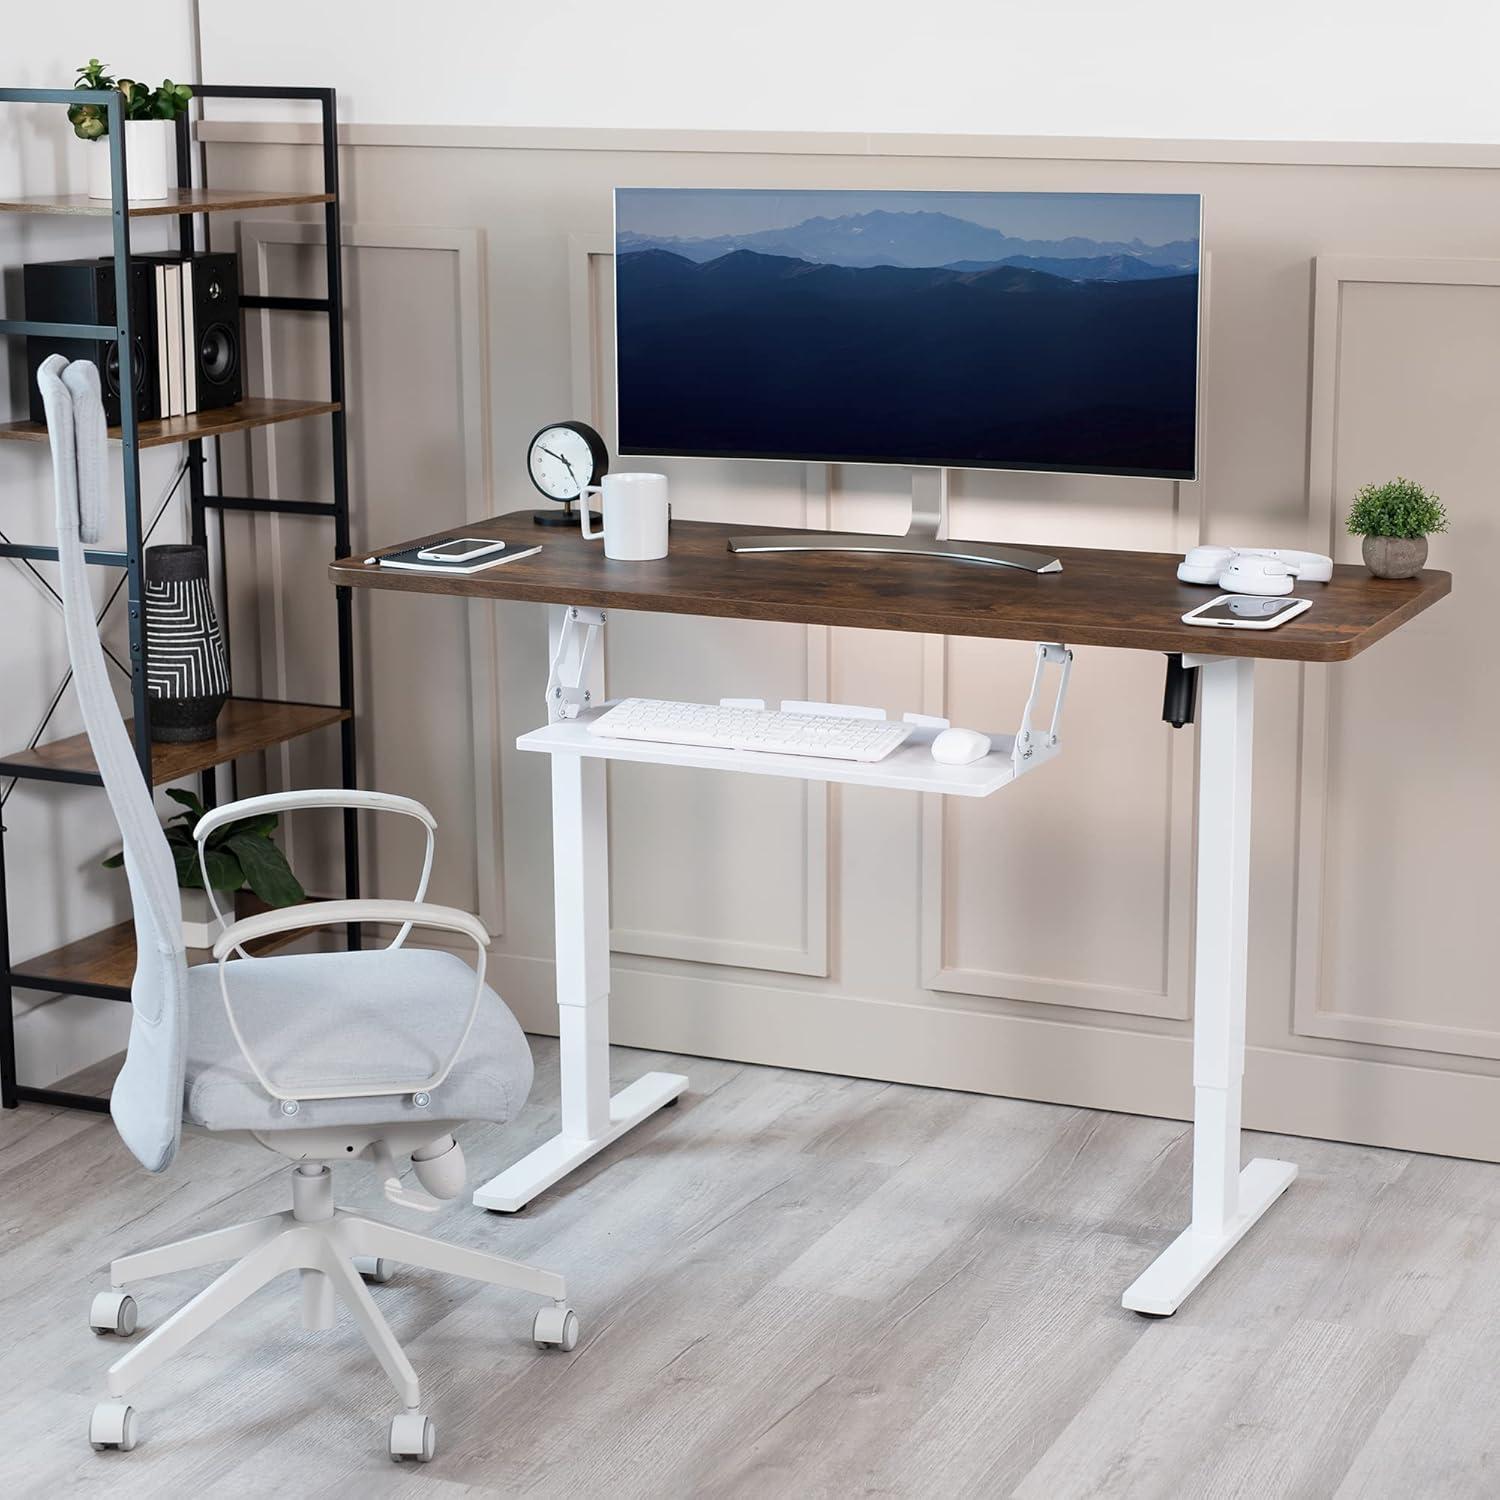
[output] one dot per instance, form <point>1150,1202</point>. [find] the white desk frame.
<point>1227,1200</point>
<point>591,1118</point>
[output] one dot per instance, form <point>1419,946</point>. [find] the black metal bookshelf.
<point>100,964</point>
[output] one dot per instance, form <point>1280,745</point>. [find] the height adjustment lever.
<point>1179,702</point>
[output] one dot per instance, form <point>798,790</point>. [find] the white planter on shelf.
<point>200,928</point>
<point>149,146</point>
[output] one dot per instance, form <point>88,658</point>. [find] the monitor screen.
<point>1036,331</point>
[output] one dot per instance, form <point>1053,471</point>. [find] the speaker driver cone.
<point>218,353</point>
<point>137,367</point>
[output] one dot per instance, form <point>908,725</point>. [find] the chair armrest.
<point>336,913</point>
<point>249,807</point>
<point>275,802</point>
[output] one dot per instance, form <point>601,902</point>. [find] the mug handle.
<point>583,511</point>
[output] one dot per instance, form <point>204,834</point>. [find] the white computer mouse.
<point>960,747</point>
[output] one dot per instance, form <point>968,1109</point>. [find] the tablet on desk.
<point>1246,612</point>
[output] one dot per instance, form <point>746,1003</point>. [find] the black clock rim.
<point>597,451</point>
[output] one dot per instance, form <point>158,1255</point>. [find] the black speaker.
<point>216,335</point>
<point>83,291</point>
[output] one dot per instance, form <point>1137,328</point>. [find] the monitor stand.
<point>927,536</point>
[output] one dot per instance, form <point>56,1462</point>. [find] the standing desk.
<point>1100,598</point>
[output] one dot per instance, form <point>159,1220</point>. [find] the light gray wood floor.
<point>793,1285</point>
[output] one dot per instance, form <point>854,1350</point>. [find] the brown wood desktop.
<point>1100,598</point>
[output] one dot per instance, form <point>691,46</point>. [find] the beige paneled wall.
<point>1037,944</point>
<point>1406,376</point>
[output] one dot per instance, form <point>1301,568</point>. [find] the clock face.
<point>562,460</point>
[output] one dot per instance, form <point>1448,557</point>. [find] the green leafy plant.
<point>1398,508</point>
<point>91,121</point>
<point>238,855</point>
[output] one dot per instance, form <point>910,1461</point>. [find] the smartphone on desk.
<point>459,549</point>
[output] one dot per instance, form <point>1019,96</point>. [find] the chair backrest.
<point>147,1098</point>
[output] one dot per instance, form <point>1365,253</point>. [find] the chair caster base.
<point>413,1436</point>
<point>112,1424</point>
<point>375,1268</point>
<point>555,1328</point>
<point>113,1313</point>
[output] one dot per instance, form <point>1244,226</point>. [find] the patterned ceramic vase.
<point>186,675</point>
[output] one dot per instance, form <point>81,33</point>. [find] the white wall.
<point>1278,69</point>
<point>55,837</point>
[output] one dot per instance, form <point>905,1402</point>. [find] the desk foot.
<point>1169,1280</point>
<point>516,1186</point>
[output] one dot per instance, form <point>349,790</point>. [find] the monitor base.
<point>927,536</point>
<point>990,553</point>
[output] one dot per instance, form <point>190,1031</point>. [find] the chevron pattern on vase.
<point>187,675</point>
<point>184,654</point>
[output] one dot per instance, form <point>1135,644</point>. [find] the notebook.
<point>408,559</point>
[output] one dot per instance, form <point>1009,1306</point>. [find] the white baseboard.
<point>940,1045</point>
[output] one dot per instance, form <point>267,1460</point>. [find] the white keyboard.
<point>833,736</point>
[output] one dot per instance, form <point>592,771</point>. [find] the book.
<point>175,406</point>
<point>189,341</point>
<point>408,559</point>
<point>163,404</point>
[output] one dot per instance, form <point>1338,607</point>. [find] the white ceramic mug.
<point>635,515</point>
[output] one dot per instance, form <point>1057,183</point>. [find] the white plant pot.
<point>200,929</point>
<point>149,146</point>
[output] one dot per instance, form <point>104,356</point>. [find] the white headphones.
<point>1254,570</point>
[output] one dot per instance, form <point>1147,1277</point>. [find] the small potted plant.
<point>239,856</point>
<point>1395,519</point>
<point>149,114</point>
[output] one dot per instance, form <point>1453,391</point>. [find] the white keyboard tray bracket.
<point>1032,749</point>
<point>566,698</point>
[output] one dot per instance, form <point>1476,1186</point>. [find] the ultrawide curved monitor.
<point>1032,331</point>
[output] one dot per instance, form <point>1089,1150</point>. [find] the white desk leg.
<point>591,1119</point>
<point>1226,1199</point>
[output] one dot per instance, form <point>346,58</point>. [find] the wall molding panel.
<point>878,144</point>
<point>1169,865</point>
<point>1320,948</point>
<point>257,237</point>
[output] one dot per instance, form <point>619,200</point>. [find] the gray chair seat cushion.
<point>373,1017</point>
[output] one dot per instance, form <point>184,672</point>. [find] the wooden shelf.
<point>177,201</point>
<point>108,957</point>
<point>253,411</point>
<point>245,725</point>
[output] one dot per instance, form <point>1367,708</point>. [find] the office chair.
<point>320,1057</point>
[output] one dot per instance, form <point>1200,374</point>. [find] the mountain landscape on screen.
<point>1031,331</point>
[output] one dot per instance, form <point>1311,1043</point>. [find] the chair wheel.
<point>412,1436</point>
<point>555,1328</point>
<point>374,1268</point>
<point>113,1313</point>
<point>112,1424</point>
